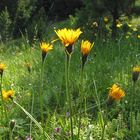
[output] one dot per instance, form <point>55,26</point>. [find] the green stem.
<point>100,111</point>
<point>131,107</point>
<point>33,119</point>
<point>97,98</point>
<point>1,96</point>
<point>68,93</point>
<point>41,98</point>
<point>4,111</point>
<point>41,93</point>
<point>32,108</point>
<point>11,135</point>
<point>85,105</point>
<point>81,97</point>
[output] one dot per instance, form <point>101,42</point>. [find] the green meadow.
<point>69,70</point>
<point>109,62</point>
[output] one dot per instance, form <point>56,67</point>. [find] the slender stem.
<point>85,105</point>
<point>100,111</point>
<point>33,119</point>
<point>11,134</point>
<point>2,106</point>
<point>41,93</point>
<point>68,93</point>
<point>97,98</point>
<point>131,107</point>
<point>32,109</point>
<point>81,98</point>
<point>4,111</point>
<point>1,96</point>
<point>41,97</point>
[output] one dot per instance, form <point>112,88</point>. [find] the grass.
<point>109,62</point>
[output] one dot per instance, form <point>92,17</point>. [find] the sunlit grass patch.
<point>108,62</point>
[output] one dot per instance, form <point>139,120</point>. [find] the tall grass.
<point>108,63</point>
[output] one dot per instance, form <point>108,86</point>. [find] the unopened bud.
<point>12,124</point>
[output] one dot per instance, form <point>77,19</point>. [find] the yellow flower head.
<point>46,47</point>
<point>68,36</point>
<point>135,73</point>
<point>2,68</point>
<point>86,47</point>
<point>116,93</point>
<point>138,36</point>
<point>129,25</point>
<point>136,69</point>
<point>7,94</point>
<point>29,66</point>
<point>106,19</point>
<point>135,29</point>
<point>119,25</point>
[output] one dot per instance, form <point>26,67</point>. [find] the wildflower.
<point>7,94</point>
<point>138,36</point>
<point>116,93</point>
<point>68,37</point>
<point>119,25</point>
<point>129,25</point>
<point>95,24</point>
<point>135,29</point>
<point>28,138</point>
<point>106,19</point>
<point>57,129</point>
<point>86,47</point>
<point>45,47</point>
<point>12,124</point>
<point>2,68</point>
<point>29,66</point>
<point>135,73</point>
<point>136,69</point>
<point>127,36</point>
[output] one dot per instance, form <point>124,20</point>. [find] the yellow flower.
<point>134,29</point>
<point>135,73</point>
<point>7,94</point>
<point>86,47</point>
<point>106,19</point>
<point>2,68</point>
<point>129,25</point>
<point>119,25</point>
<point>68,36</point>
<point>29,66</point>
<point>46,47</point>
<point>138,36</point>
<point>116,93</point>
<point>136,69</point>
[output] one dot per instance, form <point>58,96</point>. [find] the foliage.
<point>97,10</point>
<point>5,25</point>
<point>109,62</point>
<point>33,16</point>
<point>22,15</point>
